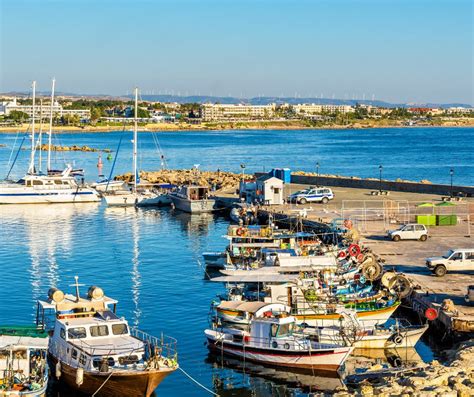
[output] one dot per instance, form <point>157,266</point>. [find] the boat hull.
<point>370,318</point>
<point>323,360</point>
<point>130,200</point>
<point>48,196</point>
<point>193,206</point>
<point>383,340</point>
<point>118,384</point>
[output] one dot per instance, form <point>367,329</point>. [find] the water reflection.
<point>48,232</point>
<point>135,273</point>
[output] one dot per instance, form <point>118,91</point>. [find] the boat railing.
<point>166,345</point>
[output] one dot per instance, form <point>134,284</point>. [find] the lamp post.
<point>243,170</point>
<point>451,173</point>
<point>317,173</point>
<point>380,179</point>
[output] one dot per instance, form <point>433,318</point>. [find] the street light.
<point>380,179</point>
<point>451,172</point>
<point>243,170</point>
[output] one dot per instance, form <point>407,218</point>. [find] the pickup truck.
<point>453,260</point>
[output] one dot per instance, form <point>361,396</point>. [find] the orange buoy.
<point>360,257</point>
<point>431,314</point>
<point>341,255</point>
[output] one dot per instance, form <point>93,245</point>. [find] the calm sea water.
<point>148,258</point>
<point>407,153</point>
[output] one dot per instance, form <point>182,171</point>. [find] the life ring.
<point>240,231</point>
<point>354,250</point>
<point>341,255</point>
<point>431,314</point>
<point>310,295</point>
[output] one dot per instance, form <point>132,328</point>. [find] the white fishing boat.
<point>97,352</point>
<point>135,196</point>
<point>23,364</point>
<point>193,199</point>
<point>271,340</point>
<point>361,336</point>
<point>45,188</point>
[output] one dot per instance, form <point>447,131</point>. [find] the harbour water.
<point>408,153</point>
<point>148,258</point>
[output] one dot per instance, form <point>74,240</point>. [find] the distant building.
<point>7,107</point>
<point>312,108</point>
<point>459,109</point>
<point>228,111</point>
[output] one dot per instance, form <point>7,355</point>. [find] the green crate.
<point>427,220</point>
<point>446,220</point>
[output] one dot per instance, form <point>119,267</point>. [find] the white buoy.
<point>58,370</point>
<point>80,376</point>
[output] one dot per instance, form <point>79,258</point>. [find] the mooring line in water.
<point>195,381</point>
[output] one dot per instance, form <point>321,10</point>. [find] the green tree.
<point>17,116</point>
<point>143,113</point>
<point>95,113</point>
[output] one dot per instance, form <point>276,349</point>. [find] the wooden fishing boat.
<point>23,365</point>
<point>95,351</point>
<point>271,340</point>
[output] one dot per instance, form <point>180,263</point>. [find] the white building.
<point>6,107</point>
<point>312,108</point>
<point>269,190</point>
<point>211,111</point>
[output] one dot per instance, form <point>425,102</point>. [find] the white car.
<point>410,231</point>
<point>458,259</point>
<point>313,194</point>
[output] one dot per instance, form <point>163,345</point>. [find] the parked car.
<point>410,231</point>
<point>313,194</point>
<point>458,259</point>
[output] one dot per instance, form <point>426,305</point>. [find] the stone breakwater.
<point>305,173</point>
<point>221,180</point>
<point>455,379</point>
<point>73,148</point>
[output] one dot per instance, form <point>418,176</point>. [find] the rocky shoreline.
<point>455,379</point>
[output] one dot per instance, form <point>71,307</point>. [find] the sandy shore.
<point>258,125</point>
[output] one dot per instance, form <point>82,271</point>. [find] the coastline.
<point>286,125</point>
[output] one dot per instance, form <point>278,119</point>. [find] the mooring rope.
<point>197,383</point>
<point>102,385</point>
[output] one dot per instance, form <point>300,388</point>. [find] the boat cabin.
<point>193,192</point>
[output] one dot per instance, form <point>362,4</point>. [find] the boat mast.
<point>40,138</point>
<point>31,168</point>
<point>135,138</point>
<point>50,125</point>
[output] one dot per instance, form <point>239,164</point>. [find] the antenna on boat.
<point>77,285</point>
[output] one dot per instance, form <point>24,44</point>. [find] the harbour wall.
<point>375,184</point>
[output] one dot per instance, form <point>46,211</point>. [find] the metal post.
<point>380,179</point>
<point>451,173</point>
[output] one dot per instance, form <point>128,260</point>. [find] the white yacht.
<point>95,351</point>
<point>44,188</point>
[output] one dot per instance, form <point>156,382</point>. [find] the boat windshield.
<point>448,254</point>
<point>119,329</point>
<point>76,333</point>
<point>282,330</point>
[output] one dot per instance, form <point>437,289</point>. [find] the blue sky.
<point>405,50</point>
